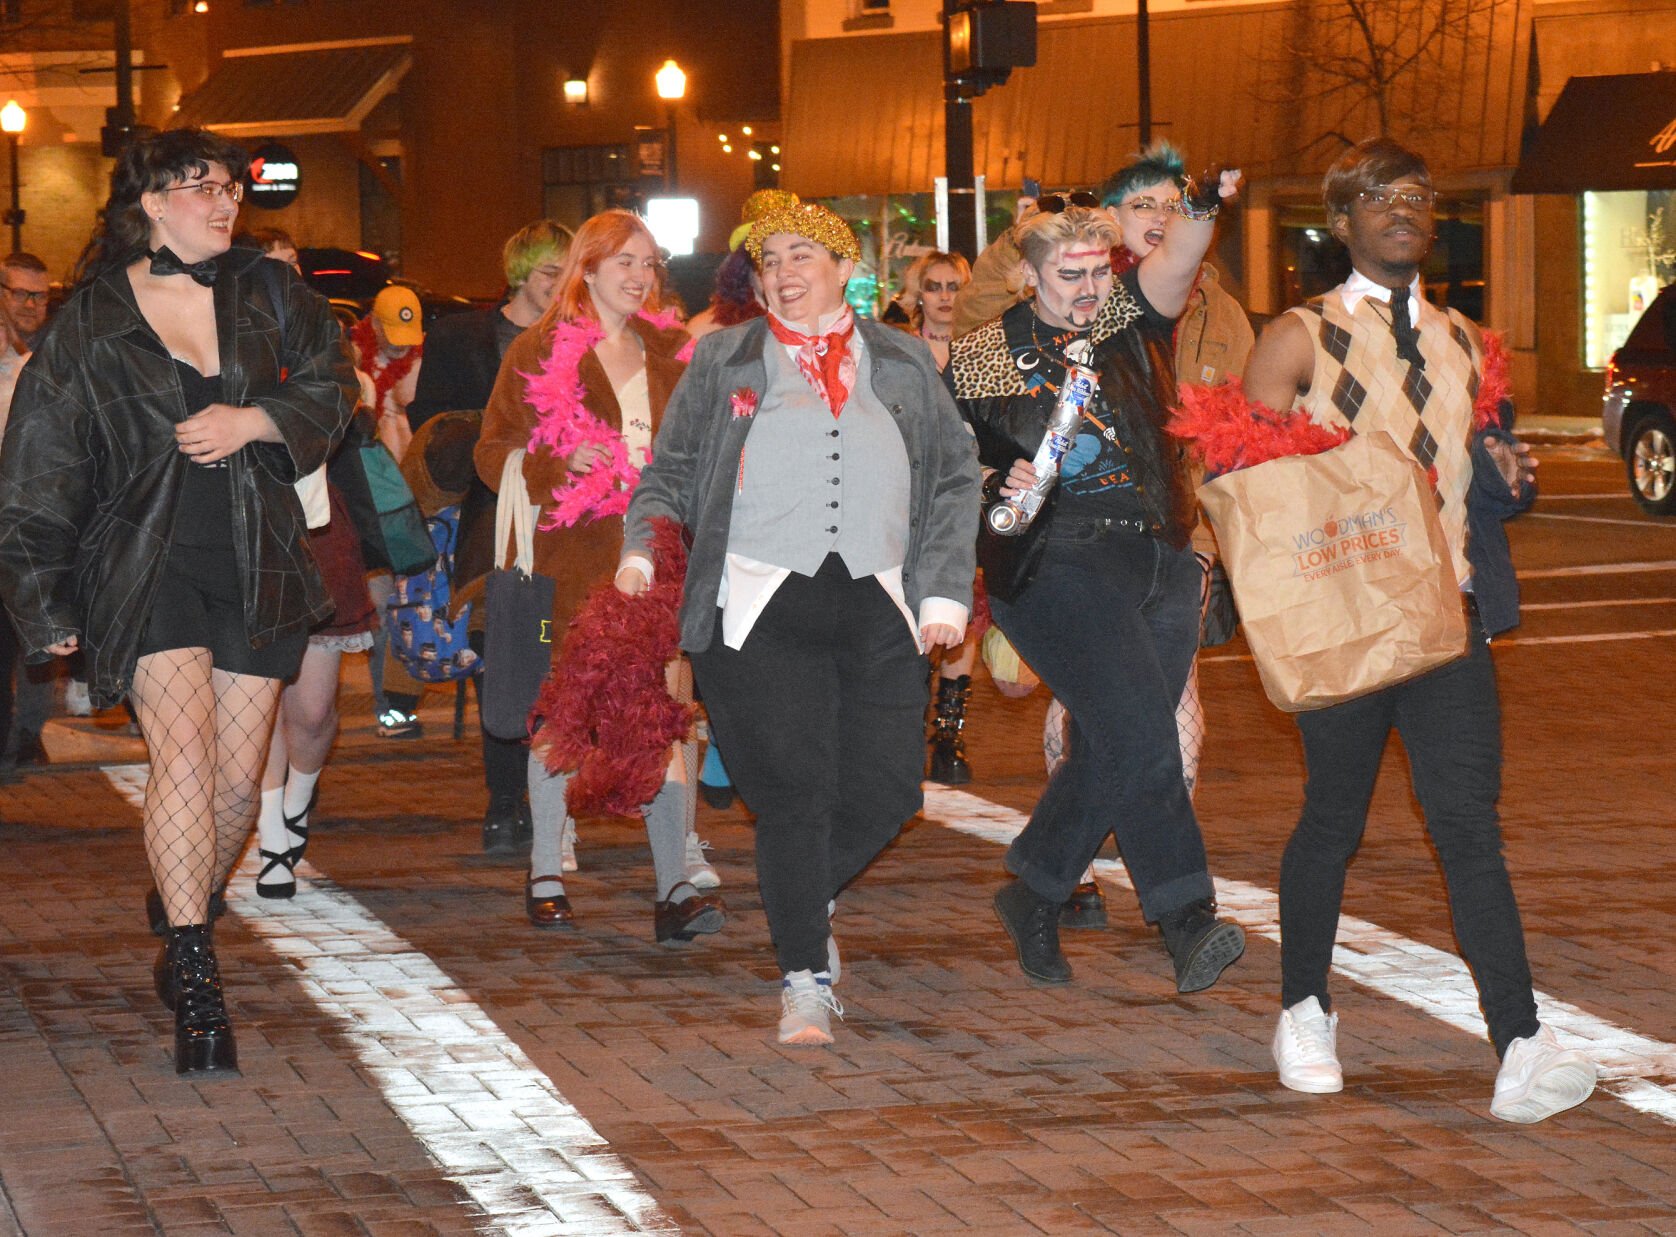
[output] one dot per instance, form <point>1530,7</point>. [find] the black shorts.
<point>199,606</point>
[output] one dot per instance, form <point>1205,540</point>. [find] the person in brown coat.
<point>603,339</point>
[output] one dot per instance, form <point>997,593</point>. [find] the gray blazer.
<point>695,462</point>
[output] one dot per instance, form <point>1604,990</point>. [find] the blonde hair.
<point>1041,234</point>
<point>909,298</point>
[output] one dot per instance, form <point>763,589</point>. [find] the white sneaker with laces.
<point>806,1006</point>
<point>1538,1078</point>
<point>567,845</point>
<point>700,875</point>
<point>1306,1049</point>
<point>834,964</point>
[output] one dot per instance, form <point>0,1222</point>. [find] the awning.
<point>1605,133</point>
<point>297,89</point>
<point>864,113</point>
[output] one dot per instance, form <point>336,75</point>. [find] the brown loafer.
<point>681,919</point>
<point>553,912</point>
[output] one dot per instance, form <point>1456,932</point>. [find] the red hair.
<point>600,238</point>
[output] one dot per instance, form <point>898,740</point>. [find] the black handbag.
<point>518,632</point>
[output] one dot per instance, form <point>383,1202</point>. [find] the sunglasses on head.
<point>1054,203</point>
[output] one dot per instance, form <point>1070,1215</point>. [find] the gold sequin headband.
<point>809,221</point>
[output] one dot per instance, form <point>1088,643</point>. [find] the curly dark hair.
<point>733,280</point>
<point>151,161</point>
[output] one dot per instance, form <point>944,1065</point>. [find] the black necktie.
<point>1402,326</point>
<point>164,262</point>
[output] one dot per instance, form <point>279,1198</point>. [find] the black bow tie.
<point>164,262</point>
<point>1402,326</point>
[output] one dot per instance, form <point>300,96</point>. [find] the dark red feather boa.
<point>605,712</point>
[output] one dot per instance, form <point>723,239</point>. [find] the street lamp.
<point>12,120</point>
<point>672,88</point>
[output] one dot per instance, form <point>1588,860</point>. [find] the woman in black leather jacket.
<point>147,515</point>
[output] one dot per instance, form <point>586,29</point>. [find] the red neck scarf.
<point>824,360</point>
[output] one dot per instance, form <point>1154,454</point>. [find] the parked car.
<point>351,278</point>
<point>1638,419</point>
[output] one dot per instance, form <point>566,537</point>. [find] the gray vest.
<point>810,484</point>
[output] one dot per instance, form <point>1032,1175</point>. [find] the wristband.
<point>1201,204</point>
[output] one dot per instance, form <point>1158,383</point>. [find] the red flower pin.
<point>743,402</point>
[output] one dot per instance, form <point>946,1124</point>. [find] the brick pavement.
<point>959,1098</point>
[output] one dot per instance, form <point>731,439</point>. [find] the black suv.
<point>1638,419</point>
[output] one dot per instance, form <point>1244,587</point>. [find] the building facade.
<point>1279,87</point>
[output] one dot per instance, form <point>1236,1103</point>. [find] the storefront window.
<point>893,231</point>
<point>1312,261</point>
<point>1629,253</point>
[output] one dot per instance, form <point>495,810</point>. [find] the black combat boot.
<point>948,749</point>
<point>203,1032</point>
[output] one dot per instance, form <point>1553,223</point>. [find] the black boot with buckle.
<point>189,982</point>
<point>948,749</point>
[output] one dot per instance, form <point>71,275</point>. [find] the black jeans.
<point>1111,624</point>
<point>821,714</point>
<point>1450,723</point>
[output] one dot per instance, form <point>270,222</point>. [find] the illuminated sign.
<point>275,177</point>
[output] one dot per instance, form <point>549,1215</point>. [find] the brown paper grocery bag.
<point>1340,569</point>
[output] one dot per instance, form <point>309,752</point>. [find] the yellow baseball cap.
<point>397,310</point>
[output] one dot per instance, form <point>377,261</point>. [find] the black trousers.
<point>1450,723</point>
<point>1111,623</point>
<point>822,717</point>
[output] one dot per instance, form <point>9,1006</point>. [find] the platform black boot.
<point>189,982</point>
<point>948,749</point>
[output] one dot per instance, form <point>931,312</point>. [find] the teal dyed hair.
<point>1159,161</point>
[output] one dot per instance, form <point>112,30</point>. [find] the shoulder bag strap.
<point>515,514</point>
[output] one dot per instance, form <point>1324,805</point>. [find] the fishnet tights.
<point>208,734</point>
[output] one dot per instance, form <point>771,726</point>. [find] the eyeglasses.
<point>1380,200</point>
<point>1055,203</point>
<point>212,189</point>
<point>25,296</point>
<point>1151,206</point>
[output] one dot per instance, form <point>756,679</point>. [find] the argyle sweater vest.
<point>1360,383</point>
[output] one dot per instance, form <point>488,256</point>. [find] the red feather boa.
<point>386,372</point>
<point>1228,430</point>
<point>1494,387</point>
<point>606,712</point>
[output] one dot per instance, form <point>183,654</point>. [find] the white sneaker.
<point>1538,1078</point>
<point>567,845</point>
<point>77,702</point>
<point>700,875</point>
<point>1306,1049</point>
<point>806,1006</point>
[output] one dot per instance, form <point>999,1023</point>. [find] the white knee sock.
<point>270,833</point>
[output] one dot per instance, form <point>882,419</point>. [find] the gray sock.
<point>547,813</point>
<point>666,830</point>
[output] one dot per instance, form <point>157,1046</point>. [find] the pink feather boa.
<point>564,425</point>
<point>606,714</point>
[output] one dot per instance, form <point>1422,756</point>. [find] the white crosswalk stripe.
<point>1434,982</point>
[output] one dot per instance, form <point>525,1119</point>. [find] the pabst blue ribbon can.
<point>1011,516</point>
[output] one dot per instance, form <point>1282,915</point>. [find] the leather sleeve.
<point>48,476</point>
<point>313,404</point>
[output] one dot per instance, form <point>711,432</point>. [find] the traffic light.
<point>987,41</point>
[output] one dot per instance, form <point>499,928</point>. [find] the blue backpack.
<point>428,646</point>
